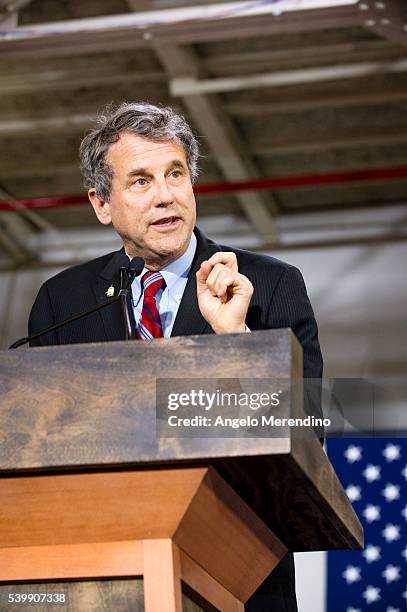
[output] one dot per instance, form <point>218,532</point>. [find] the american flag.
<point>373,472</point>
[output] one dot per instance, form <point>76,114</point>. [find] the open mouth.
<point>166,222</point>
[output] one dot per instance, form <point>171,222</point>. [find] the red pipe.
<point>286,182</point>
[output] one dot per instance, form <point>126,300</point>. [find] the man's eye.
<point>176,173</point>
<point>141,182</point>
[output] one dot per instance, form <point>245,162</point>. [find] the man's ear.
<point>101,208</point>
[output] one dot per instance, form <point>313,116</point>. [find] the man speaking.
<point>139,164</point>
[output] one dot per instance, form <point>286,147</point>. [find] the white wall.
<point>359,296</point>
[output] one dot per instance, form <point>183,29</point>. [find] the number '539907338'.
<point>36,598</point>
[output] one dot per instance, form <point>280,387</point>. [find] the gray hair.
<point>153,122</point>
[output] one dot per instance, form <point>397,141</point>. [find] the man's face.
<point>152,204</point>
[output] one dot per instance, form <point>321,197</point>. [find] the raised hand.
<point>223,293</point>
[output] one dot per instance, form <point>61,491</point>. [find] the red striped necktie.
<point>150,326</point>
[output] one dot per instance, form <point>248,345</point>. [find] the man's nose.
<point>162,193</point>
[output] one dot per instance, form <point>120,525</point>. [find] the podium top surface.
<point>93,407</point>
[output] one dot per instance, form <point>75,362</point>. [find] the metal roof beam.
<point>135,30</point>
<point>9,13</point>
<point>334,141</point>
<point>16,230</point>
<point>25,127</point>
<point>66,79</point>
<point>226,154</point>
<point>388,18</point>
<point>190,86</point>
<point>13,236</point>
<point>222,141</point>
<point>361,50</point>
<point>38,169</point>
<point>313,102</point>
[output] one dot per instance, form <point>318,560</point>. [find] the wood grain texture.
<point>313,468</point>
<point>68,561</point>
<point>85,561</point>
<point>86,508</point>
<point>303,518</point>
<point>90,596</point>
<point>45,411</point>
<point>110,559</point>
<point>84,596</point>
<point>162,576</point>
<point>204,584</point>
<point>93,406</point>
<point>225,537</point>
<point>61,527</point>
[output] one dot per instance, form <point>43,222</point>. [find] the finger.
<point>202,275</point>
<point>227,258</point>
<point>220,280</point>
<point>208,273</point>
<point>227,283</point>
<point>204,271</point>
<point>243,285</point>
<point>216,270</point>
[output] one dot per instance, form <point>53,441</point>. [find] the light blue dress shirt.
<point>169,298</point>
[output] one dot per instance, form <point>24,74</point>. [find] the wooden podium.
<point>98,509</point>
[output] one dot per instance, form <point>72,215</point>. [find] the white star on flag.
<point>391,452</point>
<point>371,594</point>
<point>391,492</point>
<point>353,453</point>
<point>374,475</point>
<point>391,573</point>
<point>391,532</point>
<point>371,513</point>
<point>371,553</point>
<point>371,472</point>
<point>353,493</point>
<point>351,574</point>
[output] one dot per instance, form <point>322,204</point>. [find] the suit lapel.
<point>111,315</point>
<point>189,320</point>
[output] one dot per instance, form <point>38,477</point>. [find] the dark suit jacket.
<point>279,300</point>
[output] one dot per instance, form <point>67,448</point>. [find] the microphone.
<point>128,271</point>
<point>135,268</point>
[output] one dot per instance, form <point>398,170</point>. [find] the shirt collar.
<point>178,268</point>
<point>181,266</point>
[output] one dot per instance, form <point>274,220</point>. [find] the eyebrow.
<point>175,163</point>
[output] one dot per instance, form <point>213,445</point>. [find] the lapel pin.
<point>110,291</point>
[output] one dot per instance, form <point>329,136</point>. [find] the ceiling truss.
<point>222,141</point>
<point>252,86</point>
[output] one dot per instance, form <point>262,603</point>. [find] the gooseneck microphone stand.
<point>127,275</point>
<point>125,284</point>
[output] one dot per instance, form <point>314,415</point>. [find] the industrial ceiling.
<point>299,105</point>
